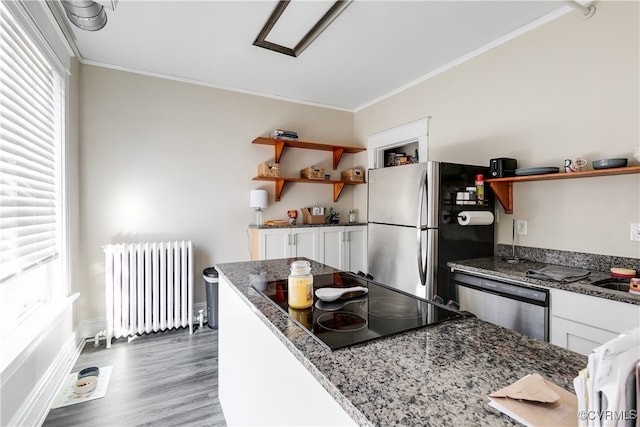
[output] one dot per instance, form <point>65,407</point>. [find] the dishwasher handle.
<point>531,295</point>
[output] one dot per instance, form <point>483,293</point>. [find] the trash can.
<point>211,283</point>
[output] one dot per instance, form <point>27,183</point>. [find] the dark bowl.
<point>609,163</point>
<point>92,371</point>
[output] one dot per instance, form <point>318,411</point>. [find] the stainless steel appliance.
<point>381,312</point>
<point>413,229</point>
<point>511,305</point>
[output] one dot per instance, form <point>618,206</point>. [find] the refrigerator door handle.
<point>422,192</point>
<point>431,257</point>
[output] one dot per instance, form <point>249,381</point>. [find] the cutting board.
<point>564,412</point>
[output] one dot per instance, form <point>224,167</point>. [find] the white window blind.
<point>30,117</point>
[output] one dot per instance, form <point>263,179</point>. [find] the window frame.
<point>36,21</point>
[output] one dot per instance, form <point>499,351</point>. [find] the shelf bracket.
<point>504,193</point>
<point>279,186</point>
<point>503,187</point>
<point>337,155</point>
<point>337,189</point>
<point>279,148</point>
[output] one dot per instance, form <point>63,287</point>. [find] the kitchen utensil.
<point>85,385</point>
<point>536,171</point>
<point>337,305</point>
<point>332,294</point>
<point>609,163</point>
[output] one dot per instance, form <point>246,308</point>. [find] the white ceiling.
<point>371,50</point>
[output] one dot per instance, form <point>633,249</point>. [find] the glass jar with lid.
<point>300,286</point>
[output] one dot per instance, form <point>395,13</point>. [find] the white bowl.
<point>636,154</point>
<point>85,385</point>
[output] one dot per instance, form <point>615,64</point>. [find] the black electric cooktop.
<point>381,312</point>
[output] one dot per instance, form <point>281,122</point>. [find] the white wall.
<point>162,159</point>
<point>569,88</point>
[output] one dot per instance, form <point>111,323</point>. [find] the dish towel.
<point>558,273</point>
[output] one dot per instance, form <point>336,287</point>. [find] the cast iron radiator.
<point>149,287</point>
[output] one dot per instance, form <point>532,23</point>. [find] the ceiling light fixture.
<point>87,14</point>
<point>309,37</point>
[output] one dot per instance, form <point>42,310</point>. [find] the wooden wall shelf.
<point>503,187</point>
<point>279,144</point>
<point>279,182</point>
<point>337,150</point>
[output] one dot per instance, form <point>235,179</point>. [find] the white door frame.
<point>396,137</point>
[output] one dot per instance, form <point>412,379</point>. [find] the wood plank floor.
<point>165,379</point>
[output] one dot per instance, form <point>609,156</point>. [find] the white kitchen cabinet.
<point>344,248</point>
<point>357,248</point>
<point>581,322</point>
<point>273,243</point>
<point>341,247</point>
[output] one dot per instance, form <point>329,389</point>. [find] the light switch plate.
<point>635,231</point>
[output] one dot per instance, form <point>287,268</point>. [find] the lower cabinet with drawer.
<point>581,322</point>
<point>341,247</point>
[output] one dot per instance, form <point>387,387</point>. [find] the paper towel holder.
<point>471,218</point>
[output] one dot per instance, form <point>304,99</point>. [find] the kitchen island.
<point>436,375</point>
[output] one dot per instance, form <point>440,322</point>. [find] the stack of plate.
<point>536,171</point>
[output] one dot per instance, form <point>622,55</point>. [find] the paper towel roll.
<point>475,218</point>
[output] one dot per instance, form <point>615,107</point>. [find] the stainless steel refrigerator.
<point>413,229</point>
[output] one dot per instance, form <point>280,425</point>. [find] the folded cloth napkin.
<point>558,273</point>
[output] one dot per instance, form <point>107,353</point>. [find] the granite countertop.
<point>499,268</point>
<point>437,375</point>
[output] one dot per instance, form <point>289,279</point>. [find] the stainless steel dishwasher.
<point>508,304</point>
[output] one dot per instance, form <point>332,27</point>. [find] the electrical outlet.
<point>635,231</point>
<point>521,227</point>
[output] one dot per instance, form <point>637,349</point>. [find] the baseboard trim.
<point>90,327</point>
<point>36,407</point>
